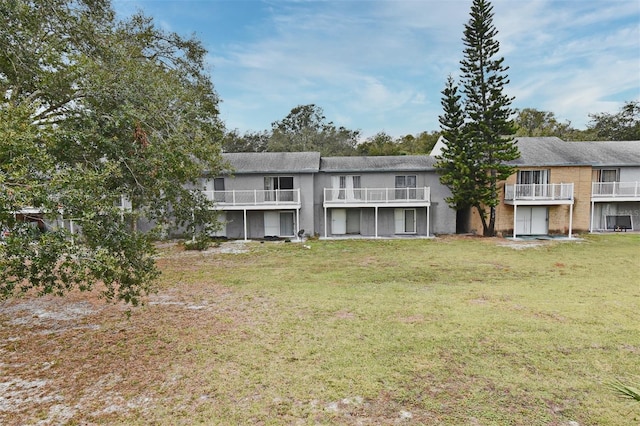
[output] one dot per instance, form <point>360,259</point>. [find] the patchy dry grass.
<point>448,331</point>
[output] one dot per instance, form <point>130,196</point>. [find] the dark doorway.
<point>463,221</point>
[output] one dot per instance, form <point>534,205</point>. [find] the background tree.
<point>533,122</point>
<point>92,110</point>
<point>421,143</point>
<point>379,144</point>
<point>384,144</point>
<point>488,113</point>
<point>623,126</point>
<point>305,129</point>
<point>249,142</point>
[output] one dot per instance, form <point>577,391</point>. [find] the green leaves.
<point>305,129</point>
<point>625,390</point>
<point>92,110</point>
<point>623,126</point>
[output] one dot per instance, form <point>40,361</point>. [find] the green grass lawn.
<point>451,331</point>
<point>455,331</point>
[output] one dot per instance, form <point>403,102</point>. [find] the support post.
<point>325,222</point>
<point>376,221</point>
<point>428,209</point>
<point>570,219</point>
<point>244,214</point>
<point>515,216</point>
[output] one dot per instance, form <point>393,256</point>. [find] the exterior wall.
<point>255,218</point>
<point>601,210</point>
<point>558,223</point>
<point>629,174</point>
<point>306,184</point>
<point>386,222</point>
<point>442,218</point>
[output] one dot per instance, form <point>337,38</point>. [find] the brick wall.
<point>558,214</point>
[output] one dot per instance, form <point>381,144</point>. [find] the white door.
<point>271,224</point>
<point>539,221</point>
<point>339,221</point>
<point>532,221</point>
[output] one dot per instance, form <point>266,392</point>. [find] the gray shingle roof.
<point>552,151</point>
<point>377,164</point>
<point>273,162</point>
<point>536,151</point>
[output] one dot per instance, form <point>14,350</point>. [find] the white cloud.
<point>381,64</point>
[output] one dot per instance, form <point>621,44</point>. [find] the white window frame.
<point>538,177</point>
<point>605,175</point>
<point>346,187</point>
<point>402,182</point>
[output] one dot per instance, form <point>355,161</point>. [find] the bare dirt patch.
<point>80,359</point>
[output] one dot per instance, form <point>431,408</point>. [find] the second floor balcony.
<point>539,194</point>
<point>381,197</point>
<point>615,191</point>
<point>255,198</point>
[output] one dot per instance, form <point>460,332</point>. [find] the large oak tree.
<point>94,110</point>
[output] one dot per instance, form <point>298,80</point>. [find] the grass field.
<point>449,331</point>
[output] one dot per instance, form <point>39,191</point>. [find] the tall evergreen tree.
<point>488,125</point>
<point>455,163</point>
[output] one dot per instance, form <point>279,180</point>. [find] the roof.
<point>273,162</point>
<point>552,151</point>
<point>612,153</point>
<point>377,164</point>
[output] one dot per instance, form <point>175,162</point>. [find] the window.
<point>538,177</point>
<point>278,188</point>
<point>348,187</point>
<point>279,224</point>
<point>606,175</point>
<point>218,189</point>
<point>406,187</point>
<point>405,220</point>
<point>532,183</point>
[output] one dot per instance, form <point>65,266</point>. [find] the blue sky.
<point>380,65</point>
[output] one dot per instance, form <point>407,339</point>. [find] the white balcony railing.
<point>376,195</point>
<point>254,197</point>
<point>539,192</point>
<point>615,190</point>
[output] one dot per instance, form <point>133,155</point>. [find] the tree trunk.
<point>491,230</point>
<point>482,214</point>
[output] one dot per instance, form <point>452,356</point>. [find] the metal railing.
<point>539,192</point>
<point>376,195</point>
<point>254,197</point>
<point>616,189</point>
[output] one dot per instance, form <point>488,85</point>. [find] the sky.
<point>381,65</point>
